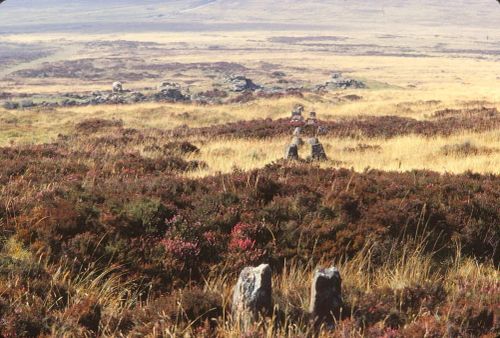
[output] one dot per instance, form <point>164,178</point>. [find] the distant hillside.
<point>25,15</point>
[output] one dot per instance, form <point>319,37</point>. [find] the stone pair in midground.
<point>252,296</point>
<point>308,128</point>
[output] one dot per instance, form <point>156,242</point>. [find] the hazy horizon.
<point>90,15</point>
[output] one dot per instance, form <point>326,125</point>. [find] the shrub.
<point>243,248</point>
<point>95,125</point>
<point>23,321</point>
<point>96,201</point>
<point>180,148</point>
<point>190,307</point>
<point>465,149</point>
<point>86,313</point>
<point>146,216</point>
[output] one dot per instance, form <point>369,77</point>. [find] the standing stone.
<point>252,294</point>
<point>317,150</point>
<point>117,87</point>
<point>312,120</point>
<point>292,152</point>
<point>298,110</point>
<point>297,117</point>
<point>298,141</point>
<point>326,296</point>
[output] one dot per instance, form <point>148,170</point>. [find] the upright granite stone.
<point>312,120</point>
<point>298,141</point>
<point>338,81</point>
<point>326,296</point>
<point>297,132</point>
<point>292,151</point>
<point>298,109</point>
<point>297,118</point>
<point>252,294</point>
<point>317,151</point>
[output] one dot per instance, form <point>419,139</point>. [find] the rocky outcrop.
<point>241,83</point>
<point>170,91</point>
<point>338,81</point>
<point>18,105</point>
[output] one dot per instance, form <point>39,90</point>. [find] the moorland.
<point>131,213</point>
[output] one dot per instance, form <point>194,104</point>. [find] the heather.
<point>104,233</point>
<point>441,123</point>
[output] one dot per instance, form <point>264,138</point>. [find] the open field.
<point>130,212</point>
<point>400,152</point>
<point>416,143</point>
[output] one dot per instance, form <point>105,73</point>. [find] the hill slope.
<point>243,15</point>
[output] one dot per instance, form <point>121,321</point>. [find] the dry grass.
<point>407,266</point>
<point>437,82</point>
<point>442,72</point>
<point>401,86</point>
<point>401,153</point>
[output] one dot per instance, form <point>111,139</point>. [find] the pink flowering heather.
<point>181,249</point>
<point>242,245</point>
<point>241,237</point>
<point>210,237</point>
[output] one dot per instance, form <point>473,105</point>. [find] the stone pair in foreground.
<point>252,295</point>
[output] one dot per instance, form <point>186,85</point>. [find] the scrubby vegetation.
<point>101,233</point>
<point>444,123</point>
<point>129,212</point>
